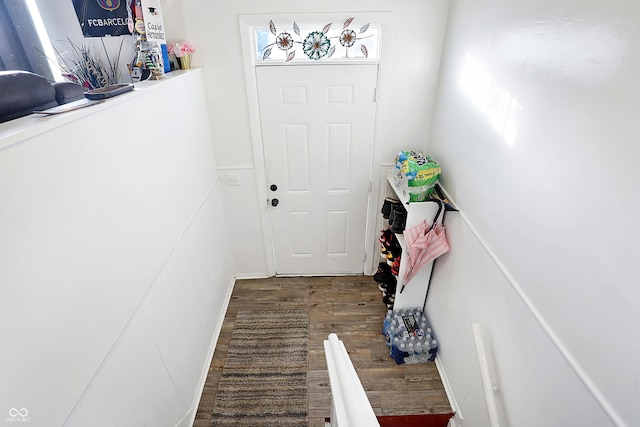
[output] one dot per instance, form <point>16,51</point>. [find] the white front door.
<point>317,129</point>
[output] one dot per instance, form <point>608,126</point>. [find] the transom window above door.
<point>347,40</point>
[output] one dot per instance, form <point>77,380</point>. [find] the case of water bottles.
<point>409,336</point>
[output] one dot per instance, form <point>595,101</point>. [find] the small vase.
<point>185,61</point>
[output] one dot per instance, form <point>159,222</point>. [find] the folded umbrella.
<point>424,244</point>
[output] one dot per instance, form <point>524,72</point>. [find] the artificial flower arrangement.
<point>182,51</point>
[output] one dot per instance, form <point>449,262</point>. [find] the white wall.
<point>115,276</point>
<point>406,90</point>
<point>556,204</point>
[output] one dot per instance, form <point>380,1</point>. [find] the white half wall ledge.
<point>20,129</point>
<point>95,227</point>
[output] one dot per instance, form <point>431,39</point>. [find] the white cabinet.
<point>414,293</point>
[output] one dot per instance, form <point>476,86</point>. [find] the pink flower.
<point>180,49</point>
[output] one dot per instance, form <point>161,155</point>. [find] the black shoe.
<point>383,274</point>
<point>391,215</point>
<point>394,251</point>
<point>387,207</point>
<point>387,238</point>
<point>388,300</point>
<point>399,219</point>
<point>388,286</point>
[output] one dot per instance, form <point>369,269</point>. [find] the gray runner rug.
<point>264,378</point>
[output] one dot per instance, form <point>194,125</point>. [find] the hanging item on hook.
<point>425,242</point>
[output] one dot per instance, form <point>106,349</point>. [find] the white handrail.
<point>350,406</point>
<point>494,419</point>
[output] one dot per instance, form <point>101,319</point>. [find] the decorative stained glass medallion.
<point>317,44</point>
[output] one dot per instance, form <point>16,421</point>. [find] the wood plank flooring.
<point>351,307</point>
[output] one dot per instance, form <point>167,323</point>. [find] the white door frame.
<point>247,25</point>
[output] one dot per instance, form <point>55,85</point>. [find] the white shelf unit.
<point>415,291</point>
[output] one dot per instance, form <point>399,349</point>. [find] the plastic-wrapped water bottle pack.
<point>409,336</point>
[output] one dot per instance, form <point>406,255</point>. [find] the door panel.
<point>317,129</point>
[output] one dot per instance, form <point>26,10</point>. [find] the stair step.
<point>422,420</point>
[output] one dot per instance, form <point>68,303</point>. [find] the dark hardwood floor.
<point>351,307</point>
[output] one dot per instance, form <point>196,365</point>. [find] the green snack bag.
<point>422,176</point>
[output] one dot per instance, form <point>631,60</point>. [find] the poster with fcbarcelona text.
<point>100,18</point>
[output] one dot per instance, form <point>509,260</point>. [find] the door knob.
<point>273,187</point>
<point>274,202</point>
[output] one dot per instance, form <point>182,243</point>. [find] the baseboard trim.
<point>448,389</point>
<point>246,276</point>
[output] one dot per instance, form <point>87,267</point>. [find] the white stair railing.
<point>350,406</point>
